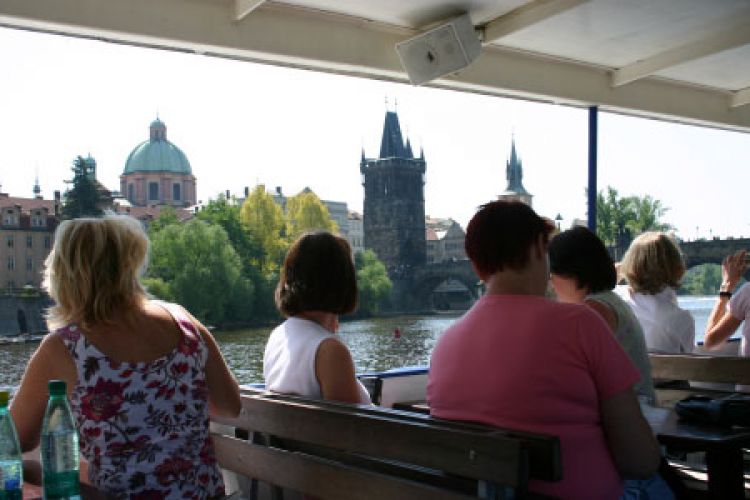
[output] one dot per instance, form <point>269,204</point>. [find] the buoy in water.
<point>396,333</point>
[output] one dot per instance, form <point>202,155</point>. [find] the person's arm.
<point>630,440</point>
<point>721,323</point>
<point>334,369</point>
<point>223,390</point>
<point>51,361</point>
<point>604,311</point>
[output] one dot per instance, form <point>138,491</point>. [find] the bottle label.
<point>60,464</point>
<point>60,451</point>
<point>10,478</point>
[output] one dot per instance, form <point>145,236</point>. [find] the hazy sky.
<point>240,124</point>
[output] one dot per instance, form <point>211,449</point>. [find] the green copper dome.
<point>157,154</point>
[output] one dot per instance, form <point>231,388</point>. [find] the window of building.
<point>46,242</point>
<point>131,193</point>
<point>29,264</point>
<point>153,190</point>
<point>29,241</point>
<point>10,219</point>
<point>176,192</point>
<point>9,241</point>
<point>11,263</point>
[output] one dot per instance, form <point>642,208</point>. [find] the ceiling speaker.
<point>446,49</point>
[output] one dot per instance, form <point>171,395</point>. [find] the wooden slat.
<point>721,369</point>
<point>543,451</point>
<point>319,477</point>
<point>470,454</point>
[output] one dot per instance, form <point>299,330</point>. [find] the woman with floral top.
<point>142,376</point>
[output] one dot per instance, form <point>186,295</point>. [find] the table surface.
<point>670,429</point>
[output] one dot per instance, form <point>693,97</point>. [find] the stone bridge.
<point>712,251</point>
<point>413,290</point>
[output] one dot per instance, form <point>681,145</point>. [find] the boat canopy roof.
<point>679,60</point>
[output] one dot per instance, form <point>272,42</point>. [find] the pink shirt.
<point>529,363</point>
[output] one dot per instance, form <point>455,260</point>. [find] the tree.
<point>263,220</point>
<point>167,217</point>
<point>704,279</point>
<point>83,199</point>
<point>202,270</point>
<point>619,219</point>
<point>305,212</point>
<point>372,281</point>
<point>226,213</point>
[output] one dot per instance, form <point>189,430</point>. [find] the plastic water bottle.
<point>11,462</point>
<point>59,447</point>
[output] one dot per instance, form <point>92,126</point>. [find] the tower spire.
<point>392,144</point>
<point>37,187</point>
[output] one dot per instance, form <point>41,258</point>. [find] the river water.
<point>371,342</point>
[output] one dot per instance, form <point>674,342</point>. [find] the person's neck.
<point>512,282</point>
<point>328,320</point>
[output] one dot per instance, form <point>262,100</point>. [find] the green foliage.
<point>263,220</point>
<point>704,279</point>
<point>202,269</point>
<point>83,199</point>
<point>167,217</point>
<point>372,281</point>
<point>618,219</point>
<point>158,288</point>
<point>305,212</point>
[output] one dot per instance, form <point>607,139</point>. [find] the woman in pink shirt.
<point>522,361</point>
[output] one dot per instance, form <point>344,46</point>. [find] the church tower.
<point>514,174</point>
<point>394,226</point>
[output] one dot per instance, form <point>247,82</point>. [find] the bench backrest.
<point>712,375</point>
<point>343,437</point>
<point>721,369</point>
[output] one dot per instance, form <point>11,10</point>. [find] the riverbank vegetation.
<point>223,264</point>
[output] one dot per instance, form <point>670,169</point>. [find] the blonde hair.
<point>652,263</point>
<point>94,269</point>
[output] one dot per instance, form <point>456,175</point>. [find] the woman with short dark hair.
<point>519,360</point>
<point>582,272</point>
<point>303,356</point>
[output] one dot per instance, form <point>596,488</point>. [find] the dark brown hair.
<point>579,254</point>
<point>500,235</point>
<point>318,275</point>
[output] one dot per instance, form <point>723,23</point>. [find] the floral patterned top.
<point>143,427</point>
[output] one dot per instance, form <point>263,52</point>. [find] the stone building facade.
<point>27,228</point>
<point>445,240</point>
<point>394,225</point>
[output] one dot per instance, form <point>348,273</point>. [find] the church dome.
<point>157,154</point>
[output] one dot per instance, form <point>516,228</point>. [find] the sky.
<point>241,124</point>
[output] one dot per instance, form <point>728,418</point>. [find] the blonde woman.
<point>653,268</point>
<point>142,375</point>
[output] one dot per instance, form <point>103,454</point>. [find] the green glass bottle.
<point>11,461</point>
<point>59,447</point>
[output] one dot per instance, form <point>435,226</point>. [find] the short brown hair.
<point>652,263</point>
<point>94,269</point>
<point>318,275</point>
<point>500,235</point>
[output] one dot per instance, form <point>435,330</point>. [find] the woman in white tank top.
<point>303,355</point>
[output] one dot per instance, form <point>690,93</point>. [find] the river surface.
<point>371,342</point>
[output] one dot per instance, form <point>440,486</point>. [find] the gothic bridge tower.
<point>394,225</point>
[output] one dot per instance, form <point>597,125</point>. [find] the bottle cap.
<point>3,399</point>
<point>57,388</point>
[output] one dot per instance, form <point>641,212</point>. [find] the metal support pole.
<point>592,189</point>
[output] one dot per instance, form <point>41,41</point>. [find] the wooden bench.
<point>726,370</point>
<point>339,451</point>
